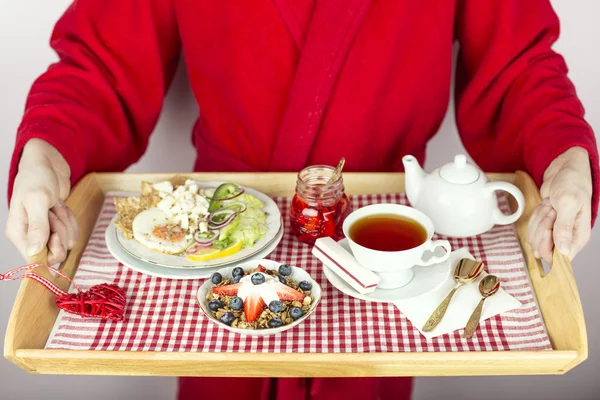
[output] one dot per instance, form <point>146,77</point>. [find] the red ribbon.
<point>9,276</point>
<point>100,301</point>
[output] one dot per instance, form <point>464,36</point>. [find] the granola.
<point>224,304</point>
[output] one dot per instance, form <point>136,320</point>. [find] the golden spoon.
<point>488,286</point>
<point>466,271</point>
<point>337,171</point>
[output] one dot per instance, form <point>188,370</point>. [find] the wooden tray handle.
<point>556,291</point>
<point>41,257</point>
<point>532,194</point>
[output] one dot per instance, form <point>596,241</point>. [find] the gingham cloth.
<point>162,314</point>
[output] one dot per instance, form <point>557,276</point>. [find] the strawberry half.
<point>227,290</point>
<point>260,268</point>
<point>287,293</point>
<point>253,306</point>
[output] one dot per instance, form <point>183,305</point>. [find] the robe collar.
<point>323,53</point>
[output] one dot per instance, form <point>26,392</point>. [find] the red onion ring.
<point>203,246</point>
<point>236,203</point>
<point>226,222</point>
<point>211,217</point>
<point>206,241</point>
<point>191,250</point>
<point>196,246</point>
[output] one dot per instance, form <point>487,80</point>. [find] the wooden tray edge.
<point>288,365</point>
<point>34,312</point>
<point>556,292</point>
<point>566,329</point>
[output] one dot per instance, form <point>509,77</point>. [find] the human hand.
<point>564,217</point>
<point>38,216</point>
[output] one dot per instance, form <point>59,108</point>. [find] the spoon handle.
<point>473,322</point>
<point>337,171</point>
<point>439,312</point>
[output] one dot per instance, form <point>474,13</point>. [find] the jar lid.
<point>459,171</point>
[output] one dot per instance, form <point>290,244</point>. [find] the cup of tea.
<point>391,239</point>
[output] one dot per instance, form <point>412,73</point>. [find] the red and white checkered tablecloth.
<point>162,314</point>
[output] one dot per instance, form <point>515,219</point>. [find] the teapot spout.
<point>414,177</point>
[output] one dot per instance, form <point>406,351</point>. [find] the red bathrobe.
<point>286,83</point>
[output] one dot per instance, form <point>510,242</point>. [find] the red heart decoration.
<point>100,301</point>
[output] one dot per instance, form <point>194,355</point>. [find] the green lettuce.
<point>227,229</point>
<point>256,214</point>
<point>248,199</point>
<point>248,226</point>
<point>222,244</point>
<point>248,231</point>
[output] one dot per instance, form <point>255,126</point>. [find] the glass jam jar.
<point>318,207</point>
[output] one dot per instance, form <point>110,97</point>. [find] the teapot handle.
<point>499,217</point>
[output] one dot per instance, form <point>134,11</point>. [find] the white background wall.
<point>24,54</point>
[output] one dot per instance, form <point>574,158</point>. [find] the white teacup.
<point>395,268</point>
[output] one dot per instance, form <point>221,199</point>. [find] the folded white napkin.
<point>419,309</point>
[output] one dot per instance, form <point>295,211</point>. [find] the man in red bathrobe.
<point>282,84</point>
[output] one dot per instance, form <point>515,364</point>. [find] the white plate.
<point>424,281</point>
<point>274,223</point>
<point>170,273</point>
<point>297,273</point>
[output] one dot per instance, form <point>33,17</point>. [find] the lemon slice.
<point>211,253</point>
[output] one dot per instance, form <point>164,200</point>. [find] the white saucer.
<point>121,255</point>
<point>424,281</point>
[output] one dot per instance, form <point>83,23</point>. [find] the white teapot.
<point>458,197</point>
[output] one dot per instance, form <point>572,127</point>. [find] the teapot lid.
<point>459,171</point>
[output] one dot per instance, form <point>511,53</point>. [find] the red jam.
<point>318,208</point>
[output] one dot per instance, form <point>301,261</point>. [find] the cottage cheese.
<point>184,205</point>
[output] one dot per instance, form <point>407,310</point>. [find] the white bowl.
<point>298,274</point>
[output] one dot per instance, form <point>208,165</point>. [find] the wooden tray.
<point>34,312</point>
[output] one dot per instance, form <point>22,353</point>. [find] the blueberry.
<point>236,279</point>
<point>227,318</point>
<point>236,303</point>
<point>282,279</point>
<point>275,322</point>
<point>305,285</point>
<point>296,312</point>
<point>257,278</point>
<point>237,271</point>
<point>216,278</point>
<point>285,270</point>
<point>276,306</point>
<point>214,305</point>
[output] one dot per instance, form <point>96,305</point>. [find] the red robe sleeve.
<point>515,106</point>
<point>100,102</point>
